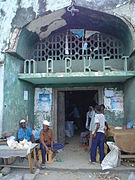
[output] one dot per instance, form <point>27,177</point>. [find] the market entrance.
<point>76,107</point>
<point>74,100</point>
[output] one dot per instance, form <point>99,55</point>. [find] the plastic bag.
<point>130,124</point>
<point>69,127</point>
<point>111,159</point>
<point>131,176</point>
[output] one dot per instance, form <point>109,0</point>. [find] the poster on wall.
<point>109,93</point>
<point>117,102</point>
<point>44,102</point>
<point>107,103</point>
<point>25,95</point>
<point>113,100</point>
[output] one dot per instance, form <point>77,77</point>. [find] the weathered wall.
<point>15,107</point>
<point>114,103</point>
<point>16,14</point>
<point>103,5</point>
<point>25,44</point>
<point>1,95</point>
<point>130,100</point>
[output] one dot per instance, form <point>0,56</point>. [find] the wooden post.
<point>30,162</point>
<point>35,159</point>
<point>5,161</point>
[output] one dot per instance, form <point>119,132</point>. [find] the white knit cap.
<point>22,121</point>
<point>45,122</point>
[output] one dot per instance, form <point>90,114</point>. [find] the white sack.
<point>111,159</point>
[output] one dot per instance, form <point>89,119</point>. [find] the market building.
<point>81,53</point>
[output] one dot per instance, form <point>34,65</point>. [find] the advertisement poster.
<point>113,100</point>
<point>117,103</point>
<point>44,102</point>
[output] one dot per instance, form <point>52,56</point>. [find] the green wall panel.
<point>130,100</point>
<point>15,107</point>
<point>115,117</point>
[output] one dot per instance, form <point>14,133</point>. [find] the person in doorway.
<point>91,125</point>
<point>85,135</point>
<point>25,132</point>
<point>47,141</point>
<point>98,134</point>
<point>102,108</point>
<point>76,116</point>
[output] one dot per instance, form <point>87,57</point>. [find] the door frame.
<point>55,91</point>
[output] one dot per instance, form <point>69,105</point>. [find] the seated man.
<point>25,132</point>
<point>47,141</point>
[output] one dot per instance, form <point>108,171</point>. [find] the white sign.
<point>109,93</point>
<point>25,95</point>
<point>107,103</point>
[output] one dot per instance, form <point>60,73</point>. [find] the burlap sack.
<point>124,139</point>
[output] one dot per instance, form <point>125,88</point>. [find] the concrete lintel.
<point>71,78</point>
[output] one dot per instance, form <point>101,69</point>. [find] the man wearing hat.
<point>25,132</point>
<point>98,134</point>
<point>46,140</point>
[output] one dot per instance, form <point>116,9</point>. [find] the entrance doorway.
<point>64,101</point>
<point>77,104</point>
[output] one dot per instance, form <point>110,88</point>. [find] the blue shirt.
<point>27,134</point>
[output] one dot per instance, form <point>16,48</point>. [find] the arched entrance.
<point>61,59</point>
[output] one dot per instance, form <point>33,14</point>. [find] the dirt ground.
<point>68,175</point>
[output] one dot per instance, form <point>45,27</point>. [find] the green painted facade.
<point>15,107</point>
<point>129,93</point>
<point>16,81</point>
<point>25,43</point>
<point>115,117</point>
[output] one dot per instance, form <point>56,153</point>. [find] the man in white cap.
<point>25,132</point>
<point>46,140</point>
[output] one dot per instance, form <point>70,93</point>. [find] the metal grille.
<point>98,46</point>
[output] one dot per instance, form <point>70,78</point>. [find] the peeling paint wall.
<point>58,4</point>
<point>7,13</point>
<point>1,95</point>
<point>15,14</point>
<point>30,3</point>
<point>45,25</point>
<point>103,5</point>
<point>114,103</point>
<point>126,11</point>
<point>15,107</point>
<point>42,108</point>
